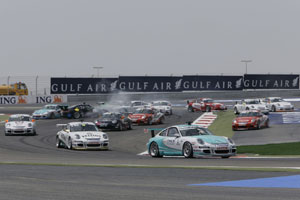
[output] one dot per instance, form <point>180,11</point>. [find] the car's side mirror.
<point>67,130</point>
<point>177,135</point>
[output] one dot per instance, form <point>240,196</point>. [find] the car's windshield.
<point>109,116</point>
<point>19,118</point>
<point>83,127</point>
<point>194,131</point>
<point>160,103</point>
<point>277,100</point>
<point>143,111</point>
<point>252,102</point>
<point>50,107</point>
<point>249,114</point>
<point>208,101</point>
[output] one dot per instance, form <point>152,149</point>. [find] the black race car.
<point>114,121</point>
<point>77,111</point>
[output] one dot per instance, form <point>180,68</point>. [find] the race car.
<point>252,119</point>
<point>147,116</point>
<point>49,111</point>
<point>114,121</point>
<point>250,104</point>
<point>204,104</point>
<point>163,106</point>
<point>77,111</point>
<point>190,141</point>
<point>139,104</point>
<point>81,135</point>
<point>277,104</point>
<point>20,124</point>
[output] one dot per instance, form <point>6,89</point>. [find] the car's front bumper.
<point>215,151</point>
<point>97,145</point>
<point>243,126</point>
<point>19,131</point>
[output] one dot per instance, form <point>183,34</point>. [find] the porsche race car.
<point>250,104</point>
<point>277,104</point>
<point>163,106</point>
<point>190,141</point>
<point>49,111</point>
<point>147,116</point>
<point>114,121</point>
<point>81,135</point>
<point>204,104</point>
<point>252,119</point>
<point>20,124</point>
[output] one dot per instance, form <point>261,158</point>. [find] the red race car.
<point>147,116</point>
<point>252,119</point>
<point>205,105</point>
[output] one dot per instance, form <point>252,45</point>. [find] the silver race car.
<point>20,124</point>
<point>81,135</point>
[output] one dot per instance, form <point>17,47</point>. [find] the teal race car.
<point>50,111</point>
<point>190,141</point>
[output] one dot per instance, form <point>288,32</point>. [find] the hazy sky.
<point>154,37</point>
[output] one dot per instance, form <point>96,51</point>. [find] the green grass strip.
<point>222,126</point>
<point>3,117</point>
<point>271,149</point>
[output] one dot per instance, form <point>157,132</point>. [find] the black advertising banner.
<point>212,83</point>
<point>83,85</point>
<point>150,83</point>
<point>271,81</point>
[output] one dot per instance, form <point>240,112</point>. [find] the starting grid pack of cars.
<point>178,140</point>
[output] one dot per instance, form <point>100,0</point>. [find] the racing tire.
<point>7,134</point>
<point>52,116</point>
<point>129,126</point>
<point>273,109</point>
<point>225,157</point>
<point>171,112</point>
<point>59,143</point>
<point>247,108</point>
<point>187,150</point>
<point>34,133</point>
<point>235,111</point>
<point>267,124</point>
<point>76,115</point>
<point>207,109</point>
<point>190,109</point>
<point>162,120</point>
<point>258,125</point>
<point>121,126</point>
<point>154,150</point>
<point>149,122</point>
<point>70,145</point>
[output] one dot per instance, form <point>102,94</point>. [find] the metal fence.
<point>37,85</point>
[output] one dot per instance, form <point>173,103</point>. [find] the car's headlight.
<point>278,104</point>
<point>253,120</point>
<point>144,117</point>
<point>234,121</point>
<point>29,124</point>
<point>7,125</point>
<point>114,121</point>
<point>230,141</point>
<point>77,136</point>
<point>200,141</point>
<point>105,136</point>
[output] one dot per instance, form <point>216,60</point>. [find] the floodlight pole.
<point>246,62</point>
<point>98,68</point>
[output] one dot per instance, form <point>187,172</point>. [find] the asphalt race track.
<point>40,170</point>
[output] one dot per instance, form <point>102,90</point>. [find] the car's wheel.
<point>190,109</point>
<point>59,143</point>
<point>70,145</point>
<point>258,125</point>
<point>7,134</point>
<point>224,157</point>
<point>273,108</point>
<point>235,110</point>
<point>267,124</point>
<point>162,120</point>
<point>34,133</point>
<point>207,109</point>
<point>121,126</point>
<point>187,150</point>
<point>76,115</point>
<point>154,150</point>
<point>247,108</point>
<point>52,116</point>
<point>129,126</point>
<point>171,112</point>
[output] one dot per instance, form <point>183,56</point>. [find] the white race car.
<point>277,104</point>
<point>81,135</point>
<point>250,104</point>
<point>163,106</point>
<point>20,124</point>
<point>139,104</point>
